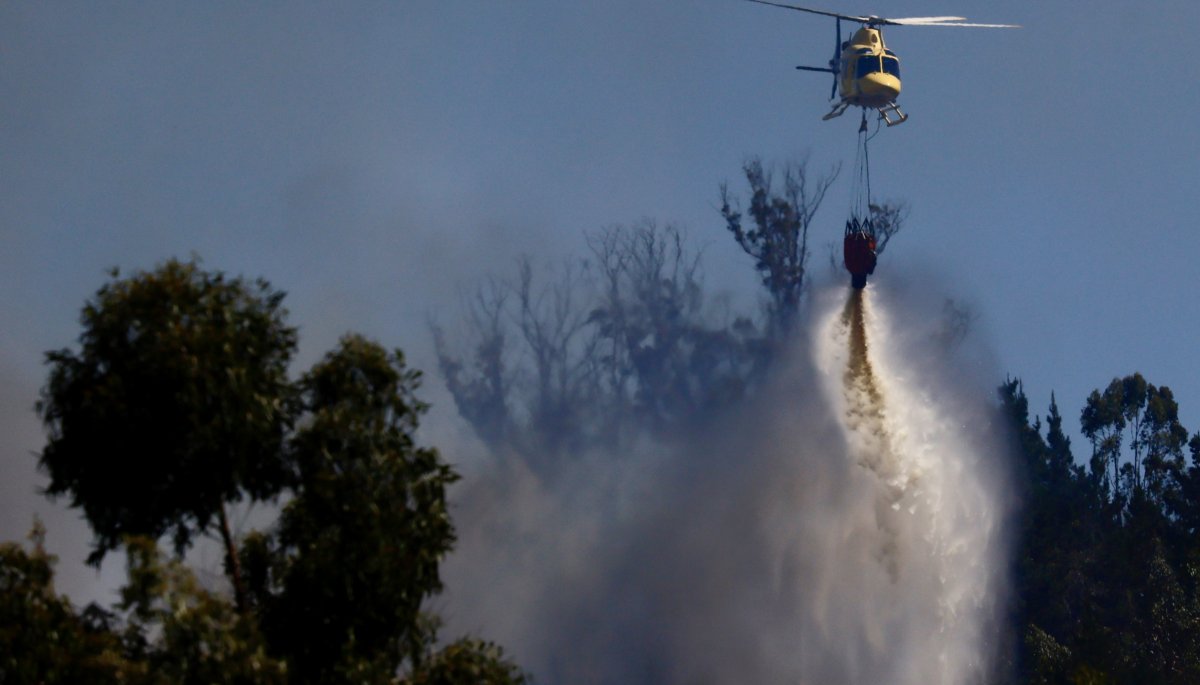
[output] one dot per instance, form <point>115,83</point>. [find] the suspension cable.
<point>860,194</point>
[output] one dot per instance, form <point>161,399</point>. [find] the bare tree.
<point>529,378</point>
<point>601,351</point>
<point>625,342</point>
<point>887,219</point>
<point>662,356</point>
<point>552,319</point>
<point>954,325</point>
<point>481,388</point>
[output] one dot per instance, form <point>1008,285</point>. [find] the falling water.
<point>845,528</point>
<point>937,503</point>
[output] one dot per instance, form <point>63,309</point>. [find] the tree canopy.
<point>176,402</point>
<point>179,403</point>
<point>1108,552</point>
<point>357,549</point>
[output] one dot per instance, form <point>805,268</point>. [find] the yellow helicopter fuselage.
<point>870,73</point>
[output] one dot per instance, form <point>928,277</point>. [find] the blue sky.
<point>372,158</point>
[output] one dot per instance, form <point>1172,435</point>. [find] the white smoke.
<point>818,536</point>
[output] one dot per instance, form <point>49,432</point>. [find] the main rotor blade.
<point>941,21</point>
<point>885,21</point>
<point>851,17</point>
<point>918,20</point>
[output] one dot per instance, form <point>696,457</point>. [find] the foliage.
<point>42,639</point>
<point>778,238</point>
<point>1107,569</point>
<point>1048,660</point>
<point>167,629</point>
<point>1134,430</point>
<point>887,219</point>
<point>176,403</point>
<point>468,661</point>
<point>357,549</point>
<point>183,633</point>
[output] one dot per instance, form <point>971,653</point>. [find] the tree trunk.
<point>233,565</point>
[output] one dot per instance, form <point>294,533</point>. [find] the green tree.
<point>1058,568</point>
<point>1137,438</point>
<point>42,639</point>
<point>1164,624</point>
<point>1107,571</point>
<point>166,629</point>
<point>358,547</point>
<point>179,632</point>
<point>176,403</point>
<point>468,661</point>
<point>1187,506</point>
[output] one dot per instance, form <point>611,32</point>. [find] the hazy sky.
<point>369,158</point>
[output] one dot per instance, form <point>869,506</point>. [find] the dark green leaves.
<point>42,639</point>
<point>358,548</point>
<point>1106,574</point>
<point>468,661</point>
<point>1135,431</point>
<point>176,402</point>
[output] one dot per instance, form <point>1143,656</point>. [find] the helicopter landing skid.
<point>837,110</point>
<point>892,108</point>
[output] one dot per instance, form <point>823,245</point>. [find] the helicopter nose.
<point>879,86</point>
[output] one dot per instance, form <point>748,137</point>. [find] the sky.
<point>374,159</point>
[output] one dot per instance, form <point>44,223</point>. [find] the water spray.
<point>844,527</point>
<point>936,539</point>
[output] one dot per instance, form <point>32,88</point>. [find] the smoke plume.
<point>844,527</point>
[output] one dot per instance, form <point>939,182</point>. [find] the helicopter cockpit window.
<point>867,65</point>
<point>891,65</point>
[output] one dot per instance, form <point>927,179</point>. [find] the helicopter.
<point>867,72</point>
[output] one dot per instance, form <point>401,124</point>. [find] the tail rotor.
<point>834,62</point>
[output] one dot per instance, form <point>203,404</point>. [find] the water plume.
<point>844,527</point>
